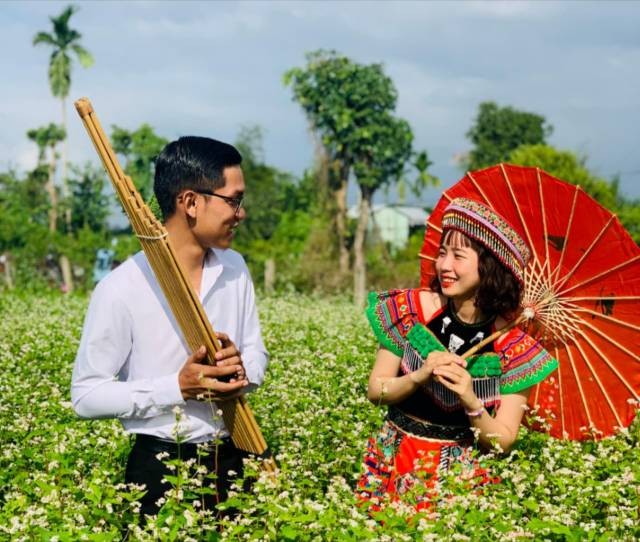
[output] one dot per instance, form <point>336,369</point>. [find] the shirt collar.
<point>220,254</point>
<point>215,262</point>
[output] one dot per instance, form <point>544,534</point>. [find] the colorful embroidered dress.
<point>427,432</point>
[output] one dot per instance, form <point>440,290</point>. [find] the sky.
<point>210,68</point>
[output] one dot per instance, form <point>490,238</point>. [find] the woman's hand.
<point>435,360</point>
<point>455,377</point>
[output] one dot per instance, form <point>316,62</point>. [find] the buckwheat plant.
<point>61,477</point>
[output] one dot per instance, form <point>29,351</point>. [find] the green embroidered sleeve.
<point>379,320</point>
<point>525,363</point>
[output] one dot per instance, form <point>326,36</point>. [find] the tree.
<point>139,149</point>
<point>63,40</point>
<point>24,233</point>
<point>381,160</point>
<point>90,205</point>
<point>338,96</point>
<point>499,130</point>
<point>274,203</point>
<point>48,137</point>
<point>350,106</point>
<point>270,192</point>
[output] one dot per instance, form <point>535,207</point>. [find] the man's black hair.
<point>191,163</point>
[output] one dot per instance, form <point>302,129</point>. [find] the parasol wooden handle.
<point>529,313</point>
<point>526,315</point>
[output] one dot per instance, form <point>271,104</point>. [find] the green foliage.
<point>89,203</point>
<point>139,149</point>
<point>628,211</point>
<point>63,40</point>
<point>401,269</point>
<point>350,106</point>
<point>153,204</point>
<point>278,212</point>
<point>341,98</point>
<point>125,246</point>
<point>61,477</point>
<point>24,231</point>
<point>269,192</point>
<point>81,249</point>
<point>47,136</point>
<point>24,207</point>
<point>499,130</point>
<point>382,153</point>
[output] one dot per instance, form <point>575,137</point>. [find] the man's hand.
<point>229,356</point>
<point>198,380</point>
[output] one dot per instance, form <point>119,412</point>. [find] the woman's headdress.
<point>480,223</point>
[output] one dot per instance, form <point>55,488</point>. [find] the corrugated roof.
<point>417,215</point>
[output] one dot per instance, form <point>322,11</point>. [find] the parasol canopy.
<point>583,285</point>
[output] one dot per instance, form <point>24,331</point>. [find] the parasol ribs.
<point>182,299</point>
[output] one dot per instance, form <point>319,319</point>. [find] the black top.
<point>458,337</point>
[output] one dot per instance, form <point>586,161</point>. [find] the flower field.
<point>61,477</point>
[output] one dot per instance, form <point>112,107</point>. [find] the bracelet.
<point>474,413</point>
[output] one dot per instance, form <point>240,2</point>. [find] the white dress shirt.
<point>132,349</point>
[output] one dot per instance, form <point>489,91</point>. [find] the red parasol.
<point>584,286</point>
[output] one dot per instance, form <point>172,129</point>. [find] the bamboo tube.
<point>184,302</point>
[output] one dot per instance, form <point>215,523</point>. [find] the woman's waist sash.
<point>425,429</point>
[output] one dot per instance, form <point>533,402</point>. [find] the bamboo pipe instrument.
<point>182,299</point>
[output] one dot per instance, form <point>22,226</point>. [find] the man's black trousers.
<point>143,467</point>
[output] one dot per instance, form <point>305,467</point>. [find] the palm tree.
<point>49,136</point>
<point>63,40</point>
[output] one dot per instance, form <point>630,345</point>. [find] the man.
<point>133,362</point>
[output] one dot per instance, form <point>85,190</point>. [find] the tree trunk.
<point>341,227</point>
<point>51,188</point>
<point>360,262</point>
<point>269,274</point>
<point>6,261</point>
<point>67,277</point>
<point>65,185</point>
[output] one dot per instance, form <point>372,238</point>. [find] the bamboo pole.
<point>184,302</point>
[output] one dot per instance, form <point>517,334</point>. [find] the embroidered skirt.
<point>406,459</point>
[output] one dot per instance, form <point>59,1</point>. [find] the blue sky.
<point>209,68</point>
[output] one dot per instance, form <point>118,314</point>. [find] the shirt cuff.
<point>255,364</point>
<point>166,391</point>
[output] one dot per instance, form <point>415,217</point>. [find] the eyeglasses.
<point>235,203</point>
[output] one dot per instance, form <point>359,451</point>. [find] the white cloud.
<point>514,10</point>
<point>210,67</point>
<point>213,25</point>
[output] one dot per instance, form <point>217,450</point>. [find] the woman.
<point>438,401</point>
